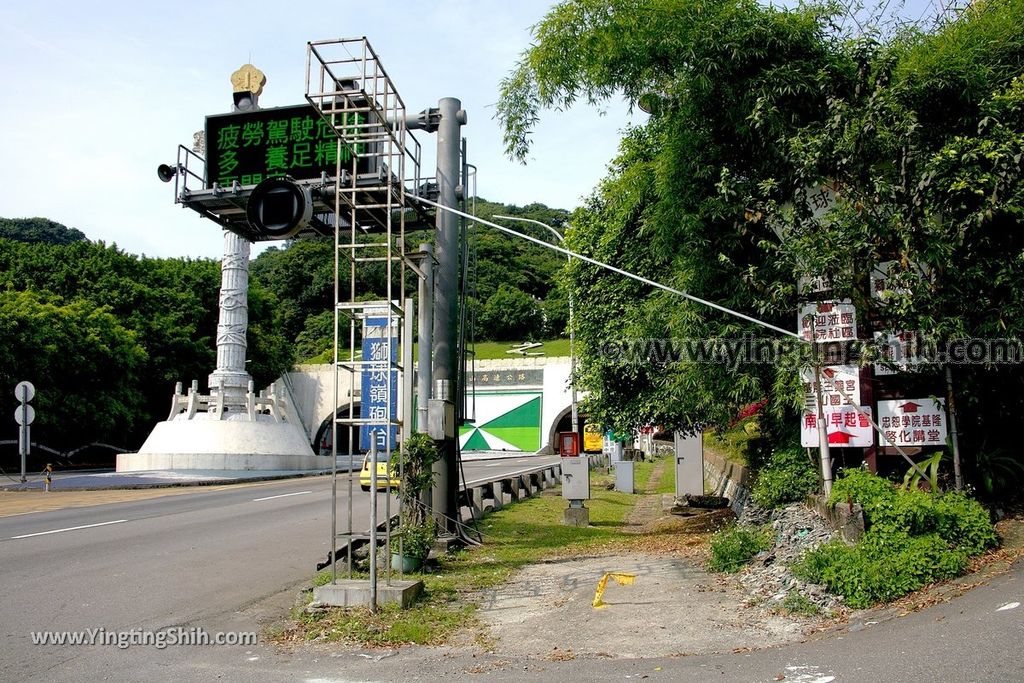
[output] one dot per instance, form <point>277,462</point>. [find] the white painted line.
<point>70,528</point>
<point>1009,605</point>
<point>283,495</point>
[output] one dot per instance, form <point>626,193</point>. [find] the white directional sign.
<point>24,392</point>
<point>845,377</point>
<point>831,321</point>
<point>913,422</point>
<point>24,415</point>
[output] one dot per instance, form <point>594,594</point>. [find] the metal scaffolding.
<point>378,171</point>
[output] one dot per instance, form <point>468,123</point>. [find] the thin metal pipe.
<point>620,271</point>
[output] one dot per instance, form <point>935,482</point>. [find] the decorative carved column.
<point>234,319</point>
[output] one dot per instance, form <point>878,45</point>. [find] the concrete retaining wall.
<point>725,478</point>
<point>481,497</point>
<point>845,518</point>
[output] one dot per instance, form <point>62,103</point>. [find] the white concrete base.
<point>211,444</point>
<point>356,593</point>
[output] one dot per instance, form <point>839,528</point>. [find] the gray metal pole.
<point>572,328</point>
<point>426,336</point>
<point>446,370</point>
<point>373,521</point>
<point>407,368</point>
<point>954,436</point>
<point>25,438</point>
<point>826,456</point>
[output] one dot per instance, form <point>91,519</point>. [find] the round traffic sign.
<point>24,415</point>
<point>24,391</point>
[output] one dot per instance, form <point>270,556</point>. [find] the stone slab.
<point>578,517</point>
<point>356,593</point>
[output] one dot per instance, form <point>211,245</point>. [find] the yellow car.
<point>382,474</point>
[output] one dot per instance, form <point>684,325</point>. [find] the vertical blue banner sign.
<point>374,405</point>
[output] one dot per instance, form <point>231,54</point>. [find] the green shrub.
<point>789,477</point>
<point>733,547</point>
<point>796,602</point>
<point>913,538</point>
<point>963,522</point>
<point>862,487</point>
<point>877,570</point>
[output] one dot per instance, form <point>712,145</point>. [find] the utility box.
<point>576,478</point>
<point>568,444</point>
<point>689,464</point>
<point>440,419</point>
<point>624,476</point>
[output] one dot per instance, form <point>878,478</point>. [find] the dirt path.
<point>674,607</point>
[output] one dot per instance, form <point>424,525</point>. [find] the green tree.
<point>38,230</point>
<point>170,306</point>
<point>85,365</point>
<point>753,109</point>
<point>511,314</point>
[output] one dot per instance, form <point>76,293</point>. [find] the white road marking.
<point>809,674</point>
<point>1009,605</point>
<point>70,528</point>
<point>283,495</point>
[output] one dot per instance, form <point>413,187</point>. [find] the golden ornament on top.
<point>248,79</point>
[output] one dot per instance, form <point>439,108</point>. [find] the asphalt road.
<point>195,560</point>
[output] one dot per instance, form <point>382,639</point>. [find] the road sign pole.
<point>23,443</point>
<point>24,415</point>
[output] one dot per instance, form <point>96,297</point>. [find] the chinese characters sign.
<point>897,351</point>
<point>831,321</point>
<point>845,377</point>
<point>252,146</point>
<point>913,422</point>
<point>508,378</point>
<point>846,428</point>
<point>379,401</point>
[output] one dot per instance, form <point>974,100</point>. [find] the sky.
<point>96,95</point>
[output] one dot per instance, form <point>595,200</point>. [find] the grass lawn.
<point>517,535</point>
<point>492,350</point>
<point>552,348</point>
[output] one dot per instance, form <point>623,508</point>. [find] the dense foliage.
<point>733,547</point>
<point>754,109</point>
<point>912,539</point>
<point>512,289</point>
<point>789,477</point>
<point>38,230</point>
<point>104,336</point>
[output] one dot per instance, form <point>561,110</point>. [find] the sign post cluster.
<point>24,415</point>
<point>840,410</point>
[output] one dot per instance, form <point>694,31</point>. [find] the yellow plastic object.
<point>620,578</point>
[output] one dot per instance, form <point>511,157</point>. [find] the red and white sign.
<point>830,321</point>
<point>845,377</point>
<point>913,422</point>
<point>846,428</point>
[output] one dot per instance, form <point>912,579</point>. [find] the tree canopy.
<point>753,110</point>
<point>105,335</point>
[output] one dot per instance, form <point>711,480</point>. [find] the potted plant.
<point>417,532</point>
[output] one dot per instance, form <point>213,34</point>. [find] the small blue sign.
<point>375,404</point>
